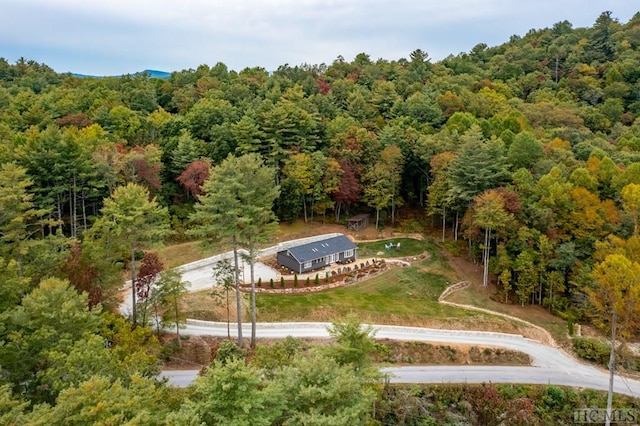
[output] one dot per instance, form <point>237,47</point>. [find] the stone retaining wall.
<point>453,288</point>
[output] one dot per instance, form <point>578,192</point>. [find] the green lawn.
<point>400,296</point>
<point>537,315</point>
<point>408,247</point>
<point>179,254</point>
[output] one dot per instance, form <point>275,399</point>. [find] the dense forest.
<point>527,153</point>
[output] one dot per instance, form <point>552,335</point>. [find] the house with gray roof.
<point>319,254</point>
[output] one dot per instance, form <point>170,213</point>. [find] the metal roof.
<point>358,217</point>
<point>310,251</point>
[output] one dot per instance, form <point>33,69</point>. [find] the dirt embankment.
<point>198,351</point>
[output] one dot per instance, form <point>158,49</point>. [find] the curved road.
<point>549,365</point>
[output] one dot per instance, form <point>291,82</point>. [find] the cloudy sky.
<point>111,37</point>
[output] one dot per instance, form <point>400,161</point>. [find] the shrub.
<point>168,349</point>
<point>281,353</point>
<point>295,280</point>
<point>592,350</point>
<point>326,277</point>
<point>570,326</point>
<point>554,397</point>
<point>259,281</point>
<point>228,351</point>
<point>316,280</point>
<point>282,282</point>
<point>307,282</point>
<point>271,283</point>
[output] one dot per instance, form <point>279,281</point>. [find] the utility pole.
<point>612,360</point>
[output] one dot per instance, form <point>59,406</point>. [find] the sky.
<point>114,37</point>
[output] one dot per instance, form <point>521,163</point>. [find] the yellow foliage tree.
<point>617,294</point>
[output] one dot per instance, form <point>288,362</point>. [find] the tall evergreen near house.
<point>238,204</point>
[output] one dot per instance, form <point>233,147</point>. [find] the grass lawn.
<point>400,294</point>
<point>477,296</point>
<point>408,247</point>
<point>179,254</point>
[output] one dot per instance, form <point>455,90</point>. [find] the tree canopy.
<point>531,148</point>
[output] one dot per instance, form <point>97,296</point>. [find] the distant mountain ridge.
<point>151,73</point>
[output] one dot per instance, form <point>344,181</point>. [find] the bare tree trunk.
<point>444,222</point>
<point>393,211</point>
<point>59,208</point>
<point>133,284</point>
<point>253,296</point>
<point>176,312</point>
<point>238,295</point>
<point>540,291</point>
<point>453,227</point>
<point>84,213</point>
<point>72,228</point>
<point>304,207</point>
<point>228,315</point>
<point>75,206</point>
<point>455,234</point>
<point>157,317</point>
<point>145,305</point>
<point>612,360</point>
<point>485,275</point>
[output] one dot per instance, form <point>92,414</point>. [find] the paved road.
<point>549,365</point>
<point>471,374</point>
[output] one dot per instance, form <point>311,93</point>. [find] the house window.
<point>348,253</point>
<point>307,265</point>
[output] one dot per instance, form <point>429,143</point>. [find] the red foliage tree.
<point>150,268</point>
<point>148,174</point>
<point>487,403</point>
<point>82,275</point>
<point>511,199</point>
<point>194,176</point>
<point>146,166</point>
<point>349,190</point>
<point>79,120</point>
<point>323,86</point>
